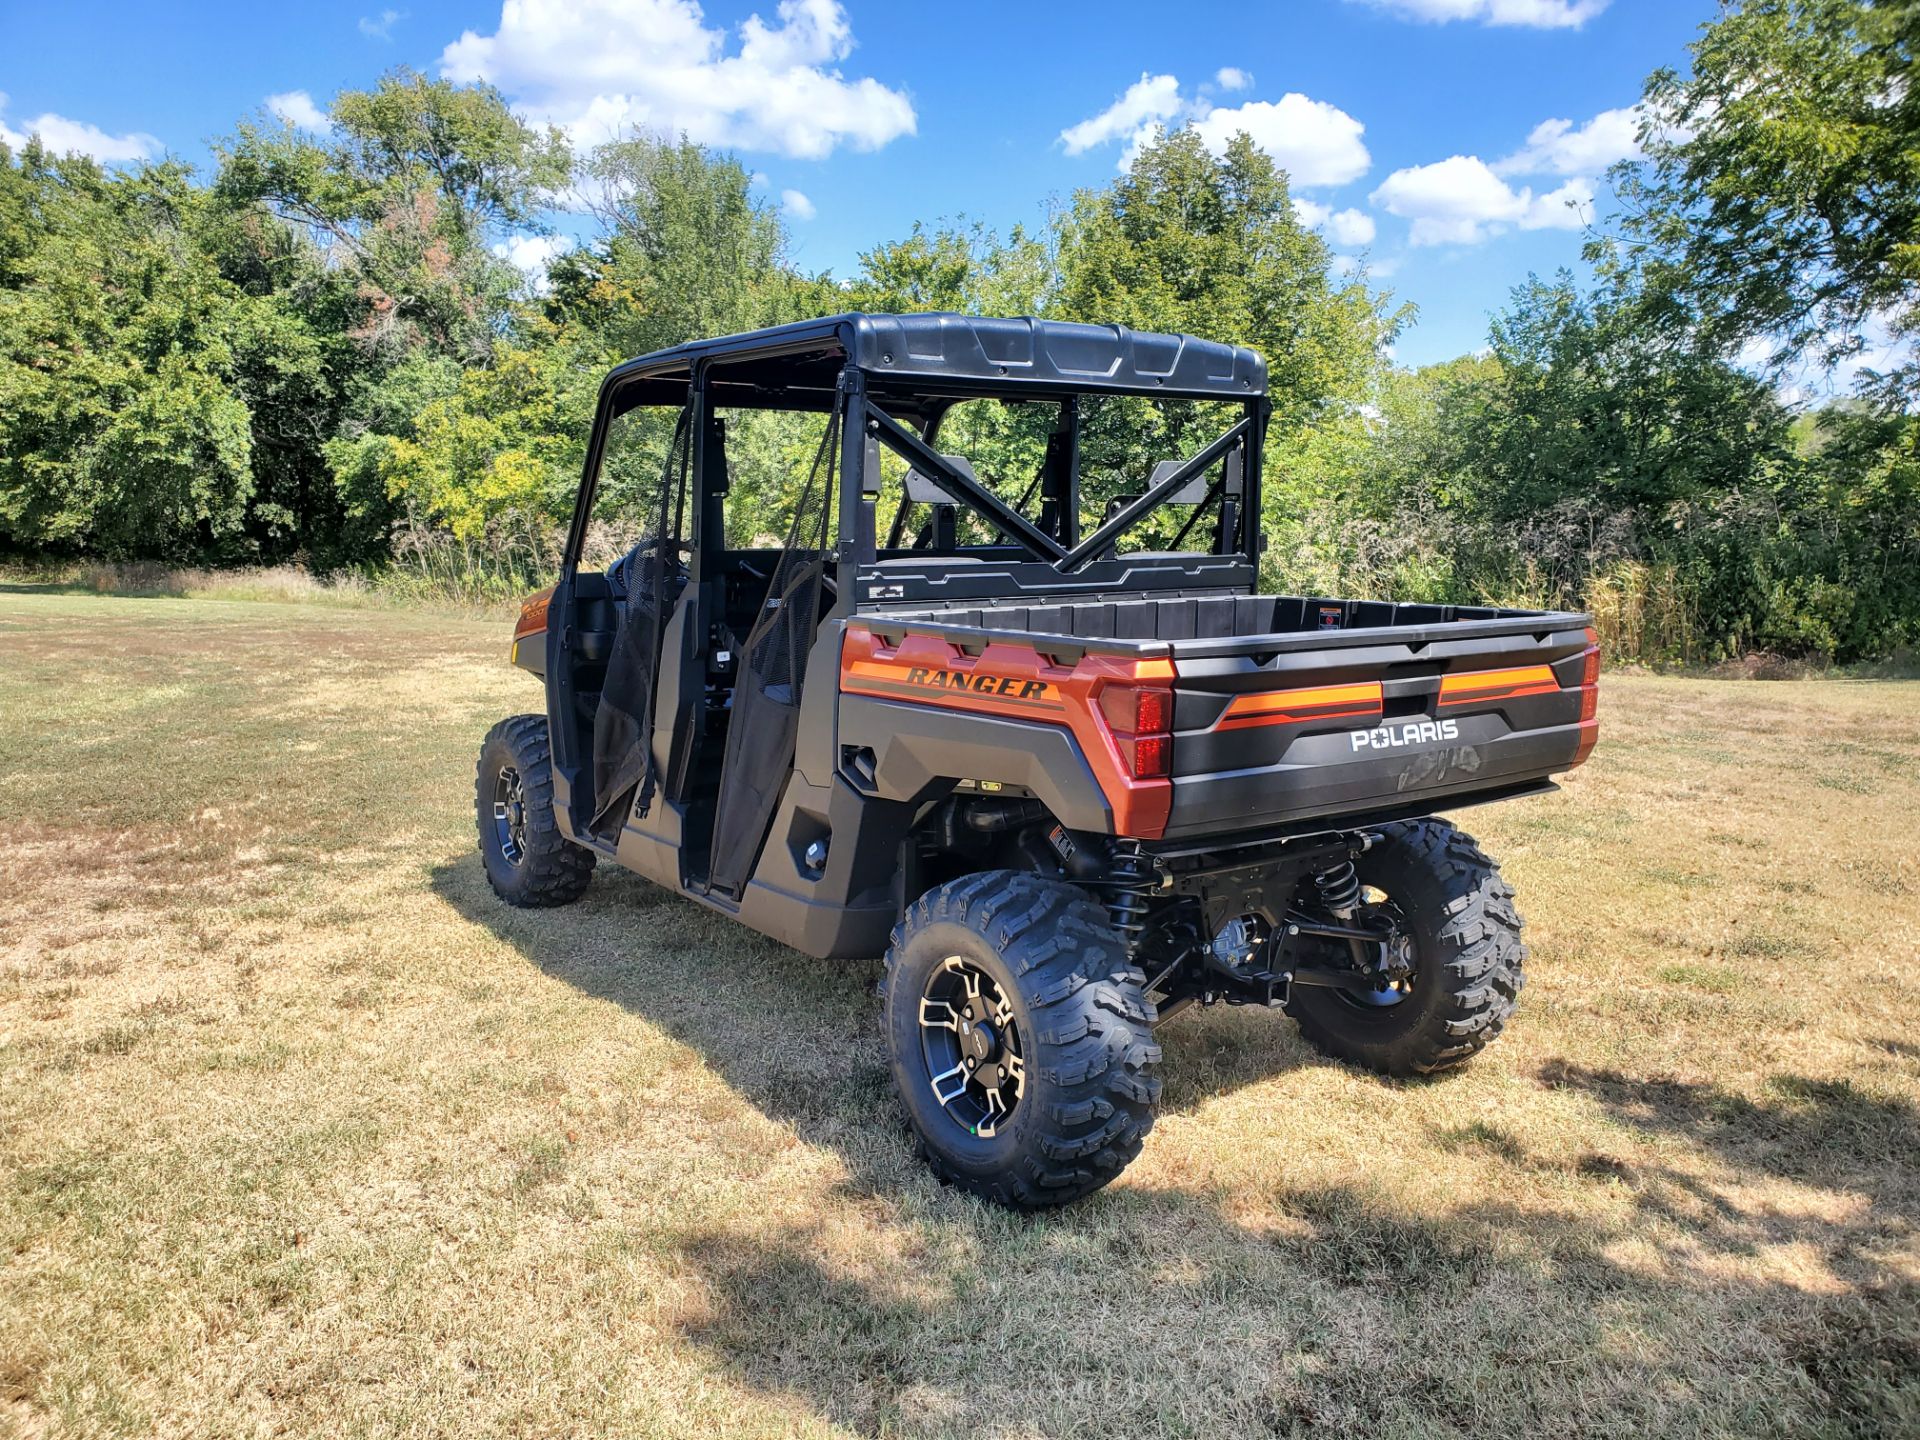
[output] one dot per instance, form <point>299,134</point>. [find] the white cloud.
<point>1460,201</point>
<point>1316,143</point>
<point>62,136</point>
<point>381,28</point>
<point>1560,147</point>
<point>1232,77</point>
<point>1343,227</point>
<point>296,107</point>
<point>531,254</point>
<point>598,67</point>
<point>1535,14</point>
<point>797,205</point>
<point>1149,99</point>
<point>1351,227</point>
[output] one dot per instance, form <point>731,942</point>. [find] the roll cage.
<point>894,378</point>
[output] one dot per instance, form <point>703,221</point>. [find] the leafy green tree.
<point>1379,498</point>
<point>23,193</point>
<point>962,267</point>
<point>1187,241</point>
<point>687,250</point>
<point>121,428</point>
<point>375,244</point>
<point>504,450</point>
<point>1612,402</point>
<point>417,181</point>
<point>1781,185</point>
<point>1842,574</point>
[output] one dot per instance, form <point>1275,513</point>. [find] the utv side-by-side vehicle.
<point>1068,779</point>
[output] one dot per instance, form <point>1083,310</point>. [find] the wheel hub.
<point>977,1040</point>
<point>1394,966</point>
<point>971,1044</point>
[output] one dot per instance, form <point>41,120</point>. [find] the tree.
<point>408,194</point>
<point>24,188</point>
<point>1781,186</point>
<point>121,428</point>
<point>503,450</point>
<point>1186,241</point>
<point>1612,401</point>
<point>1189,242</point>
<point>374,244</point>
<point>960,267</point>
<point>687,250</point>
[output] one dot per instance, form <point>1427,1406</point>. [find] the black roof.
<point>947,353</point>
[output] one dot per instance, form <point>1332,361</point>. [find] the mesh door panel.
<point>766,698</point>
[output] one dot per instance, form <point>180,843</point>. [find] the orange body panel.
<point>1017,682</point>
<point>533,614</point>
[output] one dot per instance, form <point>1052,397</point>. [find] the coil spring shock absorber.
<point>1129,880</point>
<point>1339,887</point>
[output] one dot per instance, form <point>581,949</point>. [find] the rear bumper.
<point>1416,781</point>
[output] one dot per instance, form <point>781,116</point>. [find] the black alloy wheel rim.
<point>972,1047</point>
<point>510,815</point>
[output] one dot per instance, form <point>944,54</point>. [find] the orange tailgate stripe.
<point>1290,707</point>
<point>1482,685</point>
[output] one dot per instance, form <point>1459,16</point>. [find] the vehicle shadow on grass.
<point>1650,1300</point>
<point>798,1037</point>
<point>1644,1290</point>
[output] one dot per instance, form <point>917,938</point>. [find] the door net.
<point>623,723</point>
<point>766,699</point>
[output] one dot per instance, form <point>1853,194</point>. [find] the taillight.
<point>1137,709</point>
<point>1589,698</point>
<point>1140,719</point>
<point>1590,678</point>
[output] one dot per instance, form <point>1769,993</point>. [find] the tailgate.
<point>1329,725</point>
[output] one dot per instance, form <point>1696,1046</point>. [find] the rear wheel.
<point>528,861</point>
<point>1457,963</point>
<point>1020,1037</point>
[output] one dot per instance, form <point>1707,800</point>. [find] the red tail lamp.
<point>1589,698</point>
<point>1140,719</point>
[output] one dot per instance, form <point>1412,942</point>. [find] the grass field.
<point>302,1134</point>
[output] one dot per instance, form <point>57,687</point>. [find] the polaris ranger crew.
<point>1034,735</point>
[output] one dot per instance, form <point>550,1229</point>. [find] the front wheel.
<point>1442,899</point>
<point>1020,1037</point>
<point>528,861</point>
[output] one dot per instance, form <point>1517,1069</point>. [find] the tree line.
<point>319,353</point>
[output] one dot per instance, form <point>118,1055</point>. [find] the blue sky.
<point>1451,132</point>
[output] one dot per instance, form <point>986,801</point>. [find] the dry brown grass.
<point>474,590</point>
<point>302,1134</point>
